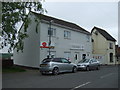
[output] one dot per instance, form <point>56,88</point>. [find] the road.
<point>106,77</point>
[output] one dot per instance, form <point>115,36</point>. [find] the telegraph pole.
<point>50,34</point>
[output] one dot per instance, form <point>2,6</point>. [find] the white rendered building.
<point>68,40</point>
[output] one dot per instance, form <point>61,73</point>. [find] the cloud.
<point>87,14</point>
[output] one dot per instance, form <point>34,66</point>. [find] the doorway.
<point>84,56</point>
<point>76,57</point>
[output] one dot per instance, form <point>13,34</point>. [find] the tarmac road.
<point>106,77</point>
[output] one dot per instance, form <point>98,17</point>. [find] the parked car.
<point>88,64</point>
<point>56,66</point>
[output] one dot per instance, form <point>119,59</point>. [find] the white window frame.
<point>53,32</point>
<point>67,55</point>
<point>88,38</point>
<point>110,45</point>
<point>67,34</point>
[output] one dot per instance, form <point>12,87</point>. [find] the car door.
<point>94,64</point>
<point>66,65</point>
<point>91,64</point>
<point>59,64</point>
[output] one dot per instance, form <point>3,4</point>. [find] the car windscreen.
<point>46,60</point>
<point>84,61</point>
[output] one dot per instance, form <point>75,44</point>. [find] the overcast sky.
<point>87,14</point>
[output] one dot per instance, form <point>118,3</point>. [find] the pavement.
<point>106,77</point>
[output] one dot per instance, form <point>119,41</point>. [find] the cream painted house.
<point>104,44</point>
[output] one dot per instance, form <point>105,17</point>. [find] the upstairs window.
<point>52,32</point>
<point>67,34</point>
<point>111,45</point>
<point>88,38</point>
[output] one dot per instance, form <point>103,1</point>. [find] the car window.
<point>46,60</point>
<point>57,60</point>
<point>65,61</point>
<point>94,61</point>
<point>91,61</point>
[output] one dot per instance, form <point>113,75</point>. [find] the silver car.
<point>56,66</point>
<point>88,64</point>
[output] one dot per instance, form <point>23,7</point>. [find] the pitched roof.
<point>104,33</point>
<point>61,22</point>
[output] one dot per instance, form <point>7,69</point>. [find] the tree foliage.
<point>12,13</point>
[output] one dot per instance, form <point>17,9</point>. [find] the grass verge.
<point>12,69</point>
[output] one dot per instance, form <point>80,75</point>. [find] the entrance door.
<point>111,57</point>
<point>84,56</point>
<point>76,57</point>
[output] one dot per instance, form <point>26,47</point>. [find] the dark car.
<point>56,66</point>
<point>88,64</point>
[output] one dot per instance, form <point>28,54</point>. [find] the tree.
<point>12,14</point>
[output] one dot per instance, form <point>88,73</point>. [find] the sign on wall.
<point>77,46</point>
<point>44,44</point>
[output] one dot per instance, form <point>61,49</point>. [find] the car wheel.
<point>98,68</point>
<point>87,68</point>
<point>74,69</point>
<point>55,71</point>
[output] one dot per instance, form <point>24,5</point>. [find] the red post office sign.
<point>44,45</point>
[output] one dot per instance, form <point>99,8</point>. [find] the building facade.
<point>118,54</point>
<point>67,40</point>
<point>104,44</point>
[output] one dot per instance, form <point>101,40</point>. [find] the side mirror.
<point>69,61</point>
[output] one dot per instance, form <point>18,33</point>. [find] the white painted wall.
<point>30,55</point>
<point>63,45</point>
<point>33,54</point>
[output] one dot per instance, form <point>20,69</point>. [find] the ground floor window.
<point>111,57</point>
<point>67,55</point>
<point>52,54</point>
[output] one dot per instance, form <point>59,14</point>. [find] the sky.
<point>86,14</point>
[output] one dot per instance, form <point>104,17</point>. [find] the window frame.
<point>53,32</point>
<point>88,38</point>
<point>110,45</point>
<point>67,34</point>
